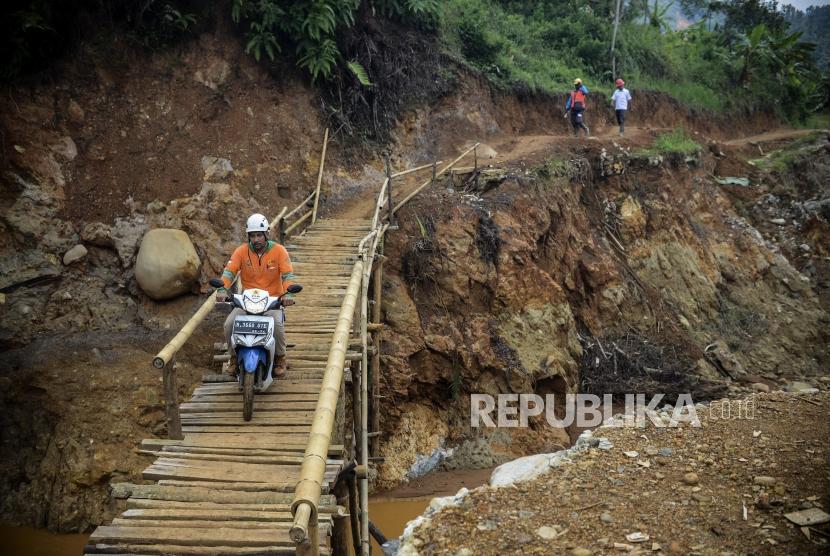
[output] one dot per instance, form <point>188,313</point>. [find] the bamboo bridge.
<point>293,479</point>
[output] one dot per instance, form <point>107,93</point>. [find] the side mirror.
<point>295,288</point>
<point>216,283</point>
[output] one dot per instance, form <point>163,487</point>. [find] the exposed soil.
<point>690,500</point>
<point>116,146</point>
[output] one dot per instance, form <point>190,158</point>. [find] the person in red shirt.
<point>263,264</point>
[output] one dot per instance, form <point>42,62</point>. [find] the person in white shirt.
<point>620,100</point>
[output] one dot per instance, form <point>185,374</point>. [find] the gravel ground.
<point>685,489</point>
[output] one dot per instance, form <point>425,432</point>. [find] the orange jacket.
<point>271,271</point>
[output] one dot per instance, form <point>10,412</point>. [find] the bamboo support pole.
<point>302,219</point>
<point>418,169</point>
<point>171,402</point>
<point>379,204</point>
<point>389,193</point>
<point>426,183</point>
<point>166,354</point>
<point>354,513</point>
<point>377,287</point>
<point>320,177</point>
<point>365,542</point>
<point>340,531</point>
<point>308,490</point>
<point>278,219</point>
<point>301,205</point>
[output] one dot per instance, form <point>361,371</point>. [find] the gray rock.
<point>75,254</point>
<point>691,478</point>
<point>759,387</point>
<point>65,147</point>
<point>98,234</point>
<point>75,112</point>
<point>167,264</point>
<point>764,480</point>
<point>606,517</point>
<point>216,168</point>
<point>665,452</point>
<point>799,387</point>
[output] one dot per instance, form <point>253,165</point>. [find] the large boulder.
<point>167,263</point>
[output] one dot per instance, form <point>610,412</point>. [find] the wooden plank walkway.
<point>227,487</point>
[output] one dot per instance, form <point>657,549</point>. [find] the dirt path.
<point>510,150</point>
<point>774,135</point>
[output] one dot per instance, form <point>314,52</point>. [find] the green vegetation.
<point>781,160</point>
<point>814,23</point>
<point>750,59</point>
<point>740,55</point>
<point>311,27</point>
<point>676,141</point>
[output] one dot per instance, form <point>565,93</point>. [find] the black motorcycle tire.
<point>248,395</point>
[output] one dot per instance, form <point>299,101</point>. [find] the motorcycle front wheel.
<point>247,395</point>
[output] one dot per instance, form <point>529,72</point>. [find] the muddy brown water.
<point>20,541</point>
<point>389,511</point>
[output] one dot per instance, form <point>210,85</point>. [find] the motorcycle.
<point>252,339</point>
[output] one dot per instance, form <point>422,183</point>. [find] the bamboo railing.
<point>308,490</point>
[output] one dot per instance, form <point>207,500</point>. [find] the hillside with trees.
<point>739,56</point>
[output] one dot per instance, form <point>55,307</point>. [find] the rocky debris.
<point>486,152</point>
<point>167,264</point>
<point>75,254</point>
<point>605,505</point>
<point>99,234</point>
<point>216,169</point>
<point>801,387</point>
<point>214,74</point>
<point>75,112</point>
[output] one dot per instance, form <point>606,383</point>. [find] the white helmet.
<point>257,223</point>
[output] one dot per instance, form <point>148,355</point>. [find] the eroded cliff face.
<point>604,272</point>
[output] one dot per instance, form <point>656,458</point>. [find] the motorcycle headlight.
<point>255,307</point>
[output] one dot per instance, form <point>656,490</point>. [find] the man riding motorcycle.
<point>263,264</point>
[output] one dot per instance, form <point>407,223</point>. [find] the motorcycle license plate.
<point>250,327</point>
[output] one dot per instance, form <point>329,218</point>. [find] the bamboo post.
<point>282,231</point>
<point>302,219</point>
<point>320,177</point>
<point>426,183</point>
<point>368,253</point>
<point>389,192</point>
<point>377,286</point>
<point>355,412</point>
<point>340,532</point>
<point>308,490</point>
<point>475,158</point>
<point>354,512</point>
<point>434,164</point>
<point>416,169</point>
<point>171,402</point>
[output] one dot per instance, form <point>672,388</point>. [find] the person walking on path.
<point>620,100</point>
<point>575,104</point>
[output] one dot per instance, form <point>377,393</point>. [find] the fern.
<point>311,27</point>
<point>359,72</point>
<point>318,58</point>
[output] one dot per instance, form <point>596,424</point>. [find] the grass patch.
<point>819,120</point>
<point>782,160</point>
<point>674,142</point>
